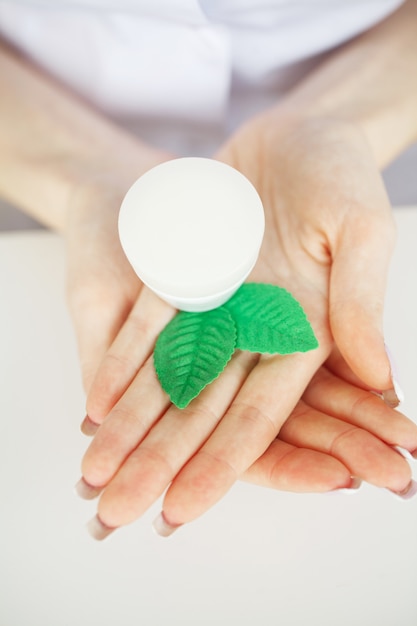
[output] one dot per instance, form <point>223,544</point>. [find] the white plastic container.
<point>192,229</point>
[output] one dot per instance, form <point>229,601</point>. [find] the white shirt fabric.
<point>165,67</point>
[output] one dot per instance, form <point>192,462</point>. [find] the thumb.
<point>357,292</point>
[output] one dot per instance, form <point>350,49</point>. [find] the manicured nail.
<point>409,492</point>
<point>98,530</point>
<point>88,427</point>
<point>414,455</point>
<point>87,491</point>
<point>394,396</point>
<point>162,527</point>
<point>405,453</point>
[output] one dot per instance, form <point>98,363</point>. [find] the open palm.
<point>328,241</point>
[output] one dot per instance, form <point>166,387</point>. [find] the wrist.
<point>55,177</point>
<point>386,133</point>
<point>52,143</point>
<point>368,83</point>
<point>388,130</point>
<point>295,133</point>
<point>99,183</point>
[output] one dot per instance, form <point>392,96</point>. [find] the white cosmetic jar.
<point>192,229</point>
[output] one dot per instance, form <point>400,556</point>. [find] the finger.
<point>338,366</point>
<point>153,464</point>
<point>365,455</point>
<point>357,292</point>
<point>288,468</point>
<point>98,311</point>
<point>132,346</point>
<point>247,429</point>
<point>96,329</point>
<point>331,395</point>
<point>101,285</point>
<point>125,426</point>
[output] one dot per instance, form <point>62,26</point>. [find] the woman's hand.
<point>329,236</point>
<point>104,293</point>
<point>337,435</point>
<point>329,230</point>
<point>337,429</point>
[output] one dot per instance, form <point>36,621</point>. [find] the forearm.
<point>370,82</point>
<point>51,143</point>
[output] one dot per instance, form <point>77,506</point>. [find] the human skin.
<point>143,446</point>
<point>323,198</point>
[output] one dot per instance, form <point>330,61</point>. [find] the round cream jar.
<point>192,229</point>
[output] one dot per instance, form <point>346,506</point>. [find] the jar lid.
<point>192,227</point>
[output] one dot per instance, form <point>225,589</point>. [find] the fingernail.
<point>394,396</point>
<point>98,530</point>
<point>162,527</point>
<point>409,492</point>
<point>86,491</point>
<point>88,427</point>
<point>355,483</point>
<point>405,453</point>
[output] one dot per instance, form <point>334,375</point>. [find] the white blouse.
<point>198,63</point>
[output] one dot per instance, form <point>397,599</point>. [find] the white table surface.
<point>259,557</point>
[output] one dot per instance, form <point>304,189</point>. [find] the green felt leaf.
<point>192,350</point>
<point>269,320</point>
